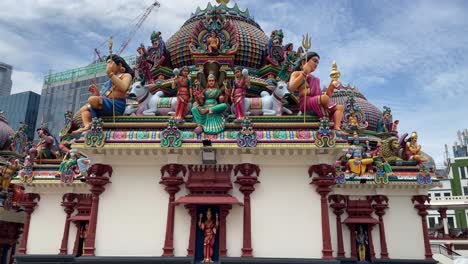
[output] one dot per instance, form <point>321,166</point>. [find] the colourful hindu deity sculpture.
<point>240,84</point>
<point>157,50</point>
<point>208,114</point>
<point>183,84</point>
<point>143,64</point>
<point>112,100</point>
<point>379,159</point>
<point>213,43</point>
<point>310,94</point>
<point>8,171</point>
<point>413,149</point>
<point>209,227</point>
<point>358,164</point>
<point>69,161</point>
<point>362,241</point>
<point>43,149</point>
<point>288,63</point>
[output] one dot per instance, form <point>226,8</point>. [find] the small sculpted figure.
<point>240,84</point>
<point>210,228</point>
<point>183,84</point>
<point>413,149</point>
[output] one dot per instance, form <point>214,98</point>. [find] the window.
<point>437,194</point>
<point>462,172</point>
<point>451,222</point>
<point>432,222</point>
<point>446,194</point>
<point>465,190</point>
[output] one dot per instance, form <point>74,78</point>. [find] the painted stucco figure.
<point>359,164</point>
<point>209,113</point>
<point>209,228</point>
<point>111,100</point>
<point>144,64</point>
<point>43,149</point>
<point>213,43</point>
<point>240,84</point>
<point>310,95</point>
<point>413,149</point>
<point>183,84</point>
<point>8,171</point>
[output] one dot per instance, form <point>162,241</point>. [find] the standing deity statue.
<point>213,43</point>
<point>112,100</point>
<point>362,241</point>
<point>288,63</point>
<point>183,83</point>
<point>310,94</point>
<point>209,228</point>
<point>240,84</point>
<point>143,64</point>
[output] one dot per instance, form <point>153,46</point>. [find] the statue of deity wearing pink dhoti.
<point>209,228</point>
<point>311,97</point>
<point>240,84</point>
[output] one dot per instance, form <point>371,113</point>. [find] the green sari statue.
<point>209,113</point>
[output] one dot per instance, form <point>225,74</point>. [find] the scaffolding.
<point>92,69</point>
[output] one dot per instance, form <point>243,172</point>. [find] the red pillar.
<point>323,181</point>
<point>193,225</point>
<point>172,182</point>
<point>371,243</point>
<point>29,203</point>
<point>338,206</point>
<point>77,238</point>
<point>443,216</point>
<point>352,230</point>
<point>224,211</point>
<point>69,206</point>
<point>98,177</point>
<point>379,207</point>
<point>422,211</point>
<point>247,182</point>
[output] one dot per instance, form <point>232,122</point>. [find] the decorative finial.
<point>306,43</point>
<point>110,47</point>
<point>222,2</point>
<point>335,74</point>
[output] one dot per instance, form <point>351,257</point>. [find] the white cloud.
<point>26,81</point>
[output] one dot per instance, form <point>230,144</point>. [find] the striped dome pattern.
<point>250,53</point>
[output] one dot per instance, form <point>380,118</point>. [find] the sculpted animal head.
<point>138,90</point>
<point>390,148</point>
<point>281,89</point>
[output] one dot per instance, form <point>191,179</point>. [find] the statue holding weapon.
<point>111,100</point>
<point>310,94</point>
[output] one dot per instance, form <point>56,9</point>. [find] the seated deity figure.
<point>209,228</point>
<point>213,42</point>
<point>7,172</point>
<point>112,100</point>
<point>208,114</point>
<point>310,94</point>
<point>413,149</point>
<point>240,84</point>
<point>357,164</point>
<point>43,149</point>
<point>184,93</point>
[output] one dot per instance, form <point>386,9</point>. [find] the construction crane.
<point>133,31</point>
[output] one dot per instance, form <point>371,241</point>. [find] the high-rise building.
<point>68,90</point>
<point>21,108</point>
<point>5,79</point>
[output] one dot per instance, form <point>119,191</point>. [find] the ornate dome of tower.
<point>250,38</point>
<point>373,114</point>
<point>5,132</point>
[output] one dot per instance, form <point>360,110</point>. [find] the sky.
<point>409,55</point>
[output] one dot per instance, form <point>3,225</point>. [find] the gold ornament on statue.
<point>335,73</point>
<point>222,2</point>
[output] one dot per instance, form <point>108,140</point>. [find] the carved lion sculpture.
<point>390,149</point>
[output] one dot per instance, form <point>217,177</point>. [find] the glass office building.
<point>21,108</point>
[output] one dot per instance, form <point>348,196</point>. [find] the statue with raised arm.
<point>183,84</point>
<point>311,97</point>
<point>112,100</point>
<point>209,228</point>
<point>43,149</point>
<point>240,85</point>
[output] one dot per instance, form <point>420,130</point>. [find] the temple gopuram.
<point>218,146</point>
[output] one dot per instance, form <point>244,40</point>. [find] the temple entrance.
<point>362,242</point>
<point>81,237</point>
<point>207,233</point>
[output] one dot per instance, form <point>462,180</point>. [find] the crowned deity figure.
<point>183,84</point>
<point>43,149</point>
<point>359,164</point>
<point>69,161</point>
<point>413,149</point>
<point>362,241</point>
<point>209,228</point>
<point>157,50</point>
<point>310,94</point>
<point>213,43</point>
<point>143,64</point>
<point>7,172</point>
<point>112,100</point>
<point>208,114</point>
<point>240,84</point>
